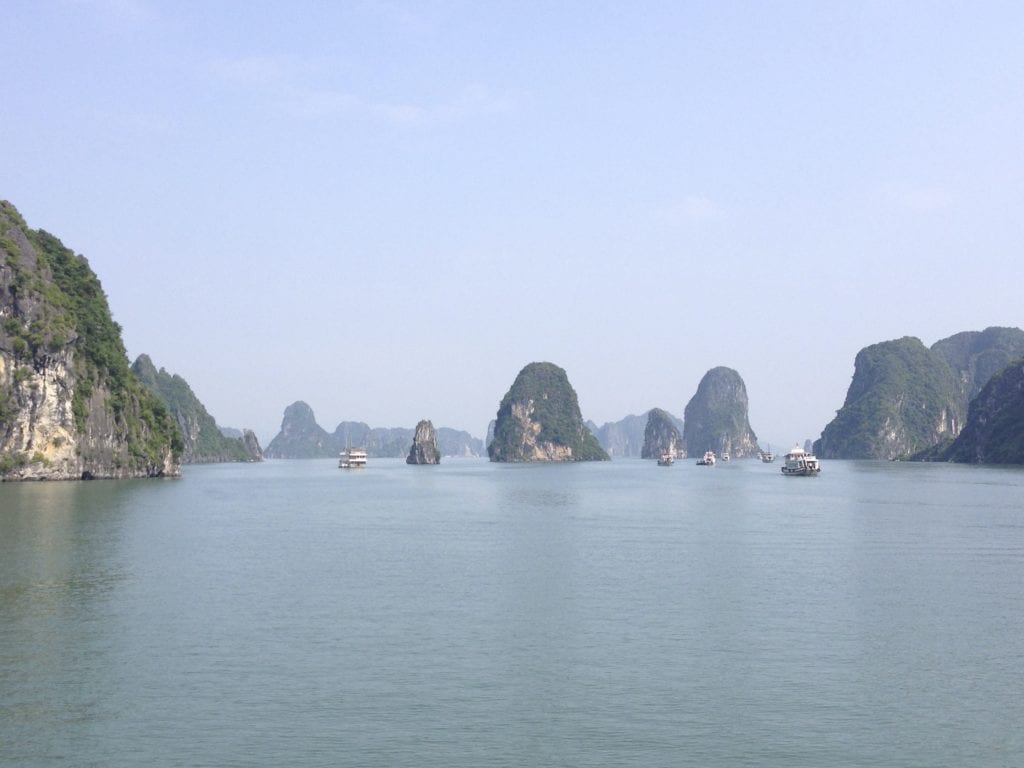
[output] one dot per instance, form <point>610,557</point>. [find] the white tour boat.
<point>353,458</point>
<point>800,462</point>
<point>708,460</point>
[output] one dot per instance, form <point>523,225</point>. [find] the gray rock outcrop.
<point>994,432</point>
<point>424,445</point>
<point>716,418</point>
<point>300,436</point>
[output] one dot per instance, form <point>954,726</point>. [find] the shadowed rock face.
<point>716,418</point>
<point>539,420</point>
<point>994,432</point>
<point>661,435</point>
<point>424,445</point>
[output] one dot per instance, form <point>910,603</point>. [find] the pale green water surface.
<point>613,614</point>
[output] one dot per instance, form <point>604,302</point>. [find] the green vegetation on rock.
<point>716,418</point>
<point>300,436</point>
<point>909,400</point>
<point>660,435</point>
<point>977,356</point>
<point>539,420</point>
<point>57,317</point>
<point>203,440</point>
<point>903,398</point>
<point>994,432</point>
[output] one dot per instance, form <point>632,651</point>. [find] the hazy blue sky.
<point>386,209</point>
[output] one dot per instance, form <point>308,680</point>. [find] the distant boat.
<point>667,459</point>
<point>800,462</point>
<point>353,458</point>
<point>725,457</point>
<point>767,456</point>
<point>708,460</point>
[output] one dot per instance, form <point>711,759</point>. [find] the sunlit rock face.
<point>903,398</point>
<point>539,419</point>
<point>70,408</point>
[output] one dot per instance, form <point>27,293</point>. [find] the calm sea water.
<point>622,614</point>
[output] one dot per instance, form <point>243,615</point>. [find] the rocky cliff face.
<point>903,399</point>
<point>204,442</point>
<point>539,420</point>
<point>994,432</point>
<point>251,445</point>
<point>977,356</point>
<point>906,399</point>
<point>660,435</point>
<point>716,418</point>
<point>424,446</point>
<point>301,437</point>
<point>70,407</point>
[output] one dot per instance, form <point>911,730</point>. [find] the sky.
<point>387,209</point>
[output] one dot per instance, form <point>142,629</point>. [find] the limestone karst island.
<point>71,407</point>
<point>539,420</point>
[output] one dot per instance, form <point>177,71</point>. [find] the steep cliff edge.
<point>716,418</point>
<point>903,399</point>
<point>539,419</point>
<point>70,407</point>
<point>994,431</point>
<point>424,445</point>
<point>203,441</point>
<point>660,435</point>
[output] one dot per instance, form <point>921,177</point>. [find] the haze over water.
<point>356,196</point>
<point>291,613</point>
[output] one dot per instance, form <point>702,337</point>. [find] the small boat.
<point>767,457</point>
<point>725,457</point>
<point>708,460</point>
<point>800,462</point>
<point>353,458</point>
<point>667,459</point>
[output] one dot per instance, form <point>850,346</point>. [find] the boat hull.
<point>801,471</point>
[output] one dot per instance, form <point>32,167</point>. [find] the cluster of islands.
<point>72,407</point>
